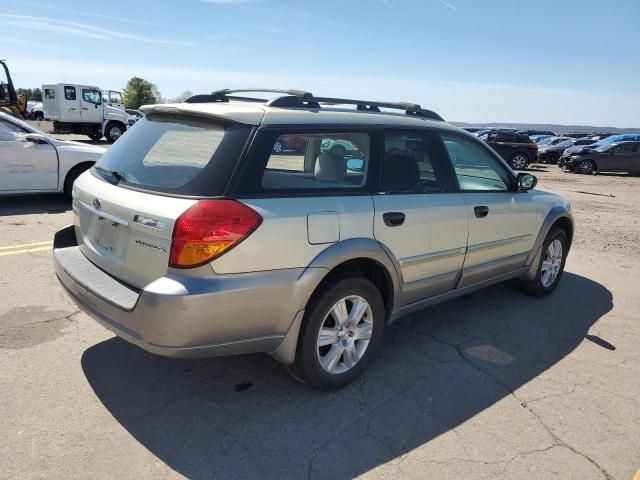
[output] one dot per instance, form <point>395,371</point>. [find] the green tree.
<point>140,92</point>
<point>182,97</point>
<point>33,94</point>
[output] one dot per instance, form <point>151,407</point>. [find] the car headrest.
<point>330,168</point>
<point>401,173</point>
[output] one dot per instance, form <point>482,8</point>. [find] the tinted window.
<point>178,155</point>
<point>625,148</point>
<point>505,137</point>
<point>304,161</point>
<point>69,93</point>
<point>476,169</point>
<point>413,162</point>
<point>91,95</point>
<point>520,138</point>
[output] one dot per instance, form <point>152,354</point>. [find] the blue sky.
<point>544,61</point>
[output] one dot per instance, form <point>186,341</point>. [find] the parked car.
<point>538,138</point>
<point>613,157</point>
<point>580,149</point>
<point>552,151</point>
<point>291,143</point>
<point>33,162</point>
<point>536,132</point>
<point>80,109</point>
<point>35,110</point>
<point>516,148</point>
<point>223,246</point>
<point>134,112</point>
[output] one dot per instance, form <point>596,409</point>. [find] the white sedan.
<point>34,162</point>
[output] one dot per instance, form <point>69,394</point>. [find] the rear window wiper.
<point>114,173</point>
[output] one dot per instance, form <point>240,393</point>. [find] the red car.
<point>294,143</point>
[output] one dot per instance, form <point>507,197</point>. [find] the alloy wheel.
<point>551,263</point>
<point>585,167</point>
<point>519,161</point>
<point>345,334</point>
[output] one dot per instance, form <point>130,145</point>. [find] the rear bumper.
<point>180,316</point>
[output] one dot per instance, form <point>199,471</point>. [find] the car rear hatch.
<point>126,206</point>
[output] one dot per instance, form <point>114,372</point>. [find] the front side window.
<point>413,163</point>
<point>9,129</point>
<point>115,97</point>
<point>307,161</point>
<point>91,95</point>
<point>69,93</point>
<point>476,169</point>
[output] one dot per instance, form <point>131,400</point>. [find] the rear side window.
<point>505,137</point>
<point>476,169</point>
<point>69,93</point>
<point>49,93</point>
<point>309,161</point>
<point>521,138</point>
<point>179,155</point>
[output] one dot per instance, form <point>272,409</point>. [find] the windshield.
<point>184,156</point>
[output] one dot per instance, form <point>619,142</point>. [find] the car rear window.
<point>176,154</point>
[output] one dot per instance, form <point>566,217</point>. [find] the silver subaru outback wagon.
<point>194,237</point>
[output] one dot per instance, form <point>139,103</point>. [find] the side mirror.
<point>526,181</point>
<point>35,138</point>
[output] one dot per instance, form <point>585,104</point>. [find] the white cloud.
<point>50,25</point>
<point>455,100</point>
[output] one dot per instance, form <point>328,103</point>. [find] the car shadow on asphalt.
<point>34,204</point>
<point>244,417</point>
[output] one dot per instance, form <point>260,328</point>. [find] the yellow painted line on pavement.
<point>25,248</point>
<point>27,245</point>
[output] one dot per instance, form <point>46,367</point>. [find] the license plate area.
<point>110,237</point>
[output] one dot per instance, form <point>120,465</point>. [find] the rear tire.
<point>550,266</point>
<point>351,314</point>
<point>519,161</point>
<point>74,173</point>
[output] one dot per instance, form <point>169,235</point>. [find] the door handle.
<point>85,108</point>
<point>393,219</point>
<point>481,211</point>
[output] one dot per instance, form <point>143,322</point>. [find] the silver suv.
<point>192,237</point>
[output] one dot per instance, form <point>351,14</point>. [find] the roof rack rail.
<point>311,101</point>
<point>302,99</point>
<point>224,95</point>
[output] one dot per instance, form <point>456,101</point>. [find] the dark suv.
<point>516,148</point>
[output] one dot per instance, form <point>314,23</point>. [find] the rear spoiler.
<point>253,117</point>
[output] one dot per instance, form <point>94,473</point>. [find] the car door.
<point>419,217</point>
<point>633,164</point>
<point>25,165</point>
<point>71,104</point>
<point>503,223</point>
<point>91,105</point>
<point>620,157</point>
<point>504,144</point>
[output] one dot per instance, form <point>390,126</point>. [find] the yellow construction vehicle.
<point>11,103</point>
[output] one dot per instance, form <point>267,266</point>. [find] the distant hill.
<point>552,127</point>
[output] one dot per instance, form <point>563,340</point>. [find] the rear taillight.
<point>533,146</point>
<point>209,229</point>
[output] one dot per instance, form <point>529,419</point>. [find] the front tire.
<point>519,161</point>
<point>341,333</point>
<point>551,264</point>
<point>114,131</point>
